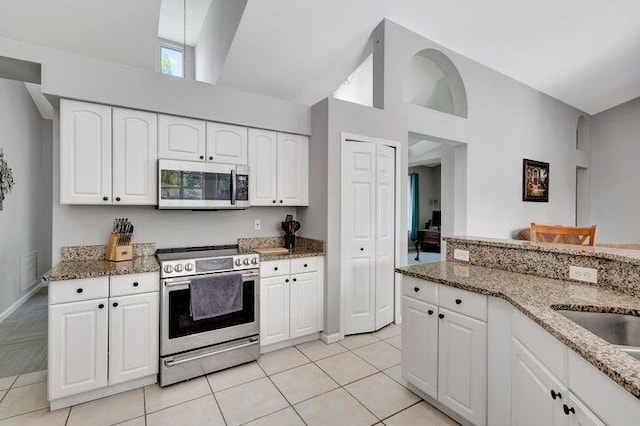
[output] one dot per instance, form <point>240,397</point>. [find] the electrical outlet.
<point>461,255</point>
<point>257,225</point>
<point>579,273</point>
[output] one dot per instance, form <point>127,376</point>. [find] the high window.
<point>172,61</point>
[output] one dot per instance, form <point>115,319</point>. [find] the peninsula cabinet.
<point>279,165</point>
<point>444,341</point>
<point>103,336</point>
<point>107,155</point>
<point>291,299</point>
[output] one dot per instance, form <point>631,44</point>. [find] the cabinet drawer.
<point>274,268</point>
<point>305,264</point>
<point>122,285</point>
<point>78,290</point>
<point>420,289</point>
<point>464,302</point>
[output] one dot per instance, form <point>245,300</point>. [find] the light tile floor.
<point>355,382</point>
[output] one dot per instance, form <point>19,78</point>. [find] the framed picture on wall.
<point>535,181</point>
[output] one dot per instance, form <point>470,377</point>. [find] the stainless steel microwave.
<point>193,185</point>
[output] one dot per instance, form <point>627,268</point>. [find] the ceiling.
<point>583,52</point>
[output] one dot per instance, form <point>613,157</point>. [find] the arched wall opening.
<point>433,81</point>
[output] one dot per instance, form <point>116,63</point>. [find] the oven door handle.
<point>169,283</point>
<point>193,358</point>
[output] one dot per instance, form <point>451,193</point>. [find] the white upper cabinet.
<point>226,143</point>
<point>85,153</point>
<point>135,155</point>
<point>279,169</point>
<point>293,170</point>
<point>262,167</point>
<point>181,138</point>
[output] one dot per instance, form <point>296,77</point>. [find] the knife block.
<point>116,252</point>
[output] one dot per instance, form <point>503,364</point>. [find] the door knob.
<point>117,198</point>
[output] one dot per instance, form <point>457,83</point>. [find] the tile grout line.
<point>213,394</point>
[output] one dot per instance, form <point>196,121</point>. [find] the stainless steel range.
<point>189,347</point>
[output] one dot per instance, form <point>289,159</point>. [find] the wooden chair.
<point>563,234</point>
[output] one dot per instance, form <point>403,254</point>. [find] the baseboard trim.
<point>11,309</point>
<point>68,401</point>
<point>288,343</point>
<point>331,338</point>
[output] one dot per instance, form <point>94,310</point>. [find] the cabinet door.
<point>181,138</point>
<point>532,401</point>
<point>262,167</point>
<point>293,170</point>
<point>420,345</point>
<point>304,301</point>
<point>135,157</point>
<point>462,366</point>
<point>226,143</point>
<point>85,153</point>
<point>580,415</point>
<point>274,310</point>
<point>133,337</point>
<point>77,347</point>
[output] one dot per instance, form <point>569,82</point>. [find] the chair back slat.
<point>563,234</point>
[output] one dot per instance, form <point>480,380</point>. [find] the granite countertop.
<point>619,252</point>
<point>296,253</point>
<point>537,297</point>
<point>91,268</point>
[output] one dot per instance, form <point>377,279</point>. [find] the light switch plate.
<point>461,255</point>
<point>580,273</point>
<point>257,225</point>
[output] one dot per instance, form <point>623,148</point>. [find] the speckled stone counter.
<point>88,262</point>
<point>305,247</point>
<point>537,297</point>
<point>618,268</point>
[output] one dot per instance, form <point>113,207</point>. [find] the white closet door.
<point>358,233</point>
<point>385,235</point>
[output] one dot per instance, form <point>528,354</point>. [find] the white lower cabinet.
<point>77,347</point>
<point>462,366</point>
<point>537,395</point>
<point>133,337</point>
<point>291,304</point>
<point>420,343</point>
<point>579,414</point>
<point>445,352</point>
<point>104,341</point>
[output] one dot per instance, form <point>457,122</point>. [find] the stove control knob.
<point>178,268</point>
<point>168,269</point>
<point>188,267</point>
<point>238,262</point>
<point>246,261</point>
<point>254,261</point>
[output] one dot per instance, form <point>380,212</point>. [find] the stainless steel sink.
<point>618,329</point>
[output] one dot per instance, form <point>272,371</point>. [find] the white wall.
<point>25,222</point>
<point>215,38</point>
<point>507,121</point>
<point>615,150</point>
<point>359,85</point>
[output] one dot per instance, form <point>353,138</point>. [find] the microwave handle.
<point>233,187</point>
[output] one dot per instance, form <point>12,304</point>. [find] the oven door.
<point>179,332</point>
<point>193,185</point>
